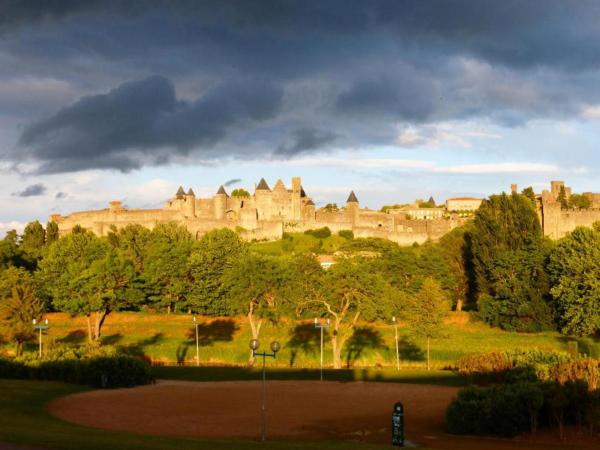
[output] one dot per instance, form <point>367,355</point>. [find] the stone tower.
<point>190,204</point>
<point>352,208</point>
<point>296,198</point>
<point>262,198</point>
<point>220,203</point>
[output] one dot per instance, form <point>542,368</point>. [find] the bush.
<point>500,410</point>
<point>319,233</point>
<point>508,409</point>
<point>346,234</point>
<point>98,371</point>
<point>587,369</point>
<point>496,366</point>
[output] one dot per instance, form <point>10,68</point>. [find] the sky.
<point>106,100</point>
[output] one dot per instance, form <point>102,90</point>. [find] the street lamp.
<point>321,326</point>
<point>254,344</point>
<point>396,339</point>
<point>197,345</point>
<point>40,327</point>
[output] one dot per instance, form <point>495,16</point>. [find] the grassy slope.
<point>25,420</point>
<point>224,341</point>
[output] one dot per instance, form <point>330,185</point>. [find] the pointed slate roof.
<point>221,191</point>
<point>190,192</point>
<point>302,193</point>
<point>180,192</point>
<point>279,185</point>
<point>310,203</point>
<point>262,185</point>
<point>352,198</point>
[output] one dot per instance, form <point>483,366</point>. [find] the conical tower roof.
<point>302,193</point>
<point>262,185</point>
<point>352,198</point>
<point>310,203</point>
<point>221,191</point>
<point>279,185</point>
<point>180,192</point>
<point>190,192</point>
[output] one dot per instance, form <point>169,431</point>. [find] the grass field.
<point>170,339</point>
<point>25,420</point>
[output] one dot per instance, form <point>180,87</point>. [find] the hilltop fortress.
<point>268,213</point>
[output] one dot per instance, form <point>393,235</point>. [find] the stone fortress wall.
<point>268,213</point>
<point>558,222</point>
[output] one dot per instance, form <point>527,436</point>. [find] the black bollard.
<point>398,425</point>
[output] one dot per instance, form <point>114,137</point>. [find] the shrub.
<point>98,371</point>
<point>500,410</point>
<point>319,233</point>
<point>346,234</point>
<point>496,366</point>
<point>586,369</point>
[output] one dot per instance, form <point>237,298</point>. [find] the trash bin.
<point>398,425</point>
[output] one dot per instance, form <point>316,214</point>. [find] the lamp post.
<point>396,339</point>
<point>254,344</point>
<point>321,326</point>
<point>40,327</point>
<point>197,344</point>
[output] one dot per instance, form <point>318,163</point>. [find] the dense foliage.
<point>100,371</point>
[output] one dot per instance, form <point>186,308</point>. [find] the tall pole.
<point>263,423</point>
<point>197,344</point>
<point>321,353</point>
<point>396,339</point>
<point>40,343</point>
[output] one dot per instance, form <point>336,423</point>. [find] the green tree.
<point>529,193</point>
<point>211,257</point>
<point>65,273</point>
<point>350,290</point>
<point>455,251</point>
<point>562,198</point>
<point>239,192</point>
<point>574,268</point>
<point>426,312</point>
<point>508,251</point>
<point>17,312</point>
<point>51,232</point>
<point>166,271</point>
<point>33,242</point>
<point>580,201</point>
<point>256,285</point>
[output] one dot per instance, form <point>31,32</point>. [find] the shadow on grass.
<point>219,330</point>
<point>74,337</point>
<point>220,373</point>
<point>138,349</point>
<point>305,338</point>
<point>409,351</point>
<point>363,338</point>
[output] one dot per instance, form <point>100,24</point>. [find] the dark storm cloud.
<point>142,122</point>
<point>232,182</point>
<point>306,140</point>
<point>31,191</point>
<point>245,79</point>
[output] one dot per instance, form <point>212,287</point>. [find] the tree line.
<point>500,265</point>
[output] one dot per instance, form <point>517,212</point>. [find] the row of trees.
<point>500,265</point>
<point>523,281</point>
<point>164,269</point>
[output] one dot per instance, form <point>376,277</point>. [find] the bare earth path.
<point>297,410</point>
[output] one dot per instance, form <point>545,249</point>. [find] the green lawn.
<point>25,420</point>
<point>224,341</point>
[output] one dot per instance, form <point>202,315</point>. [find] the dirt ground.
<point>296,410</point>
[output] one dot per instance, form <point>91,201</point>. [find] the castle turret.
<point>262,197</point>
<point>296,198</point>
<point>352,207</point>
<point>309,211</point>
<point>220,203</point>
<point>190,204</point>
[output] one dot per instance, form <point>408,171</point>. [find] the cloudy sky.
<point>104,100</point>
